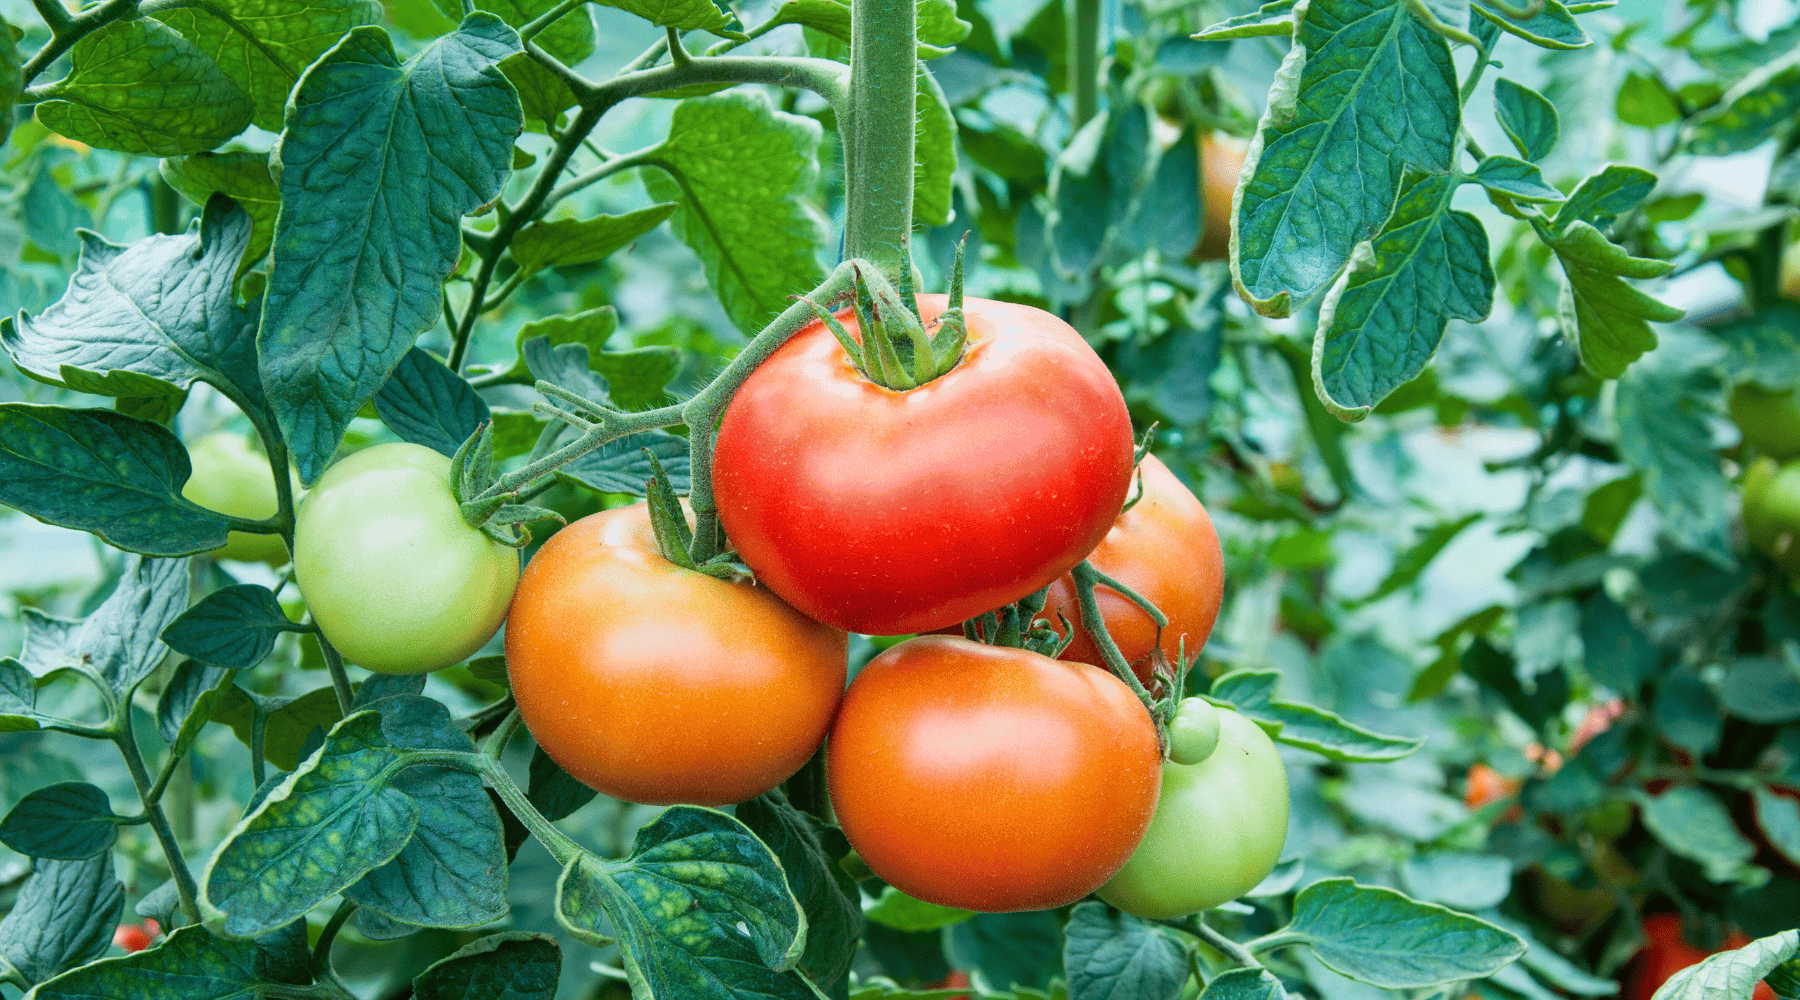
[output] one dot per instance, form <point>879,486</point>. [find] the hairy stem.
<point>878,130</point>
<point>126,740</point>
<point>1236,952</point>
<point>340,681</point>
<point>321,956</point>
<point>1084,61</point>
<point>1086,579</point>
<point>72,29</point>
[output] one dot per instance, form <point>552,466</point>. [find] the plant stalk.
<point>126,739</point>
<point>1084,61</point>
<point>878,130</point>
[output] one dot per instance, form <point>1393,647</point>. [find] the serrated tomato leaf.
<point>1378,936</point>
<point>233,627</point>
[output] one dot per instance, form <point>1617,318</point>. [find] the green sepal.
<point>847,342</point>
<point>727,566</point>
<point>504,525</point>
<point>878,346</point>
<point>674,536</point>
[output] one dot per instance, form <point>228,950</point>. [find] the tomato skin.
<point>391,572</point>
<point>1221,160</point>
<point>1667,953</point>
<point>232,479</point>
<point>1218,830</point>
<point>1166,549</point>
<point>133,938</point>
<point>1769,418</point>
<point>989,778</point>
<point>658,684</point>
<point>1487,785</point>
<point>887,512</point>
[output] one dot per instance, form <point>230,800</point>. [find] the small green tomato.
<point>232,479</point>
<point>391,572</point>
<point>1218,829</point>
<point>1194,732</point>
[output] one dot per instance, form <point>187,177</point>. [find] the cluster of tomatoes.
<point>975,775</point>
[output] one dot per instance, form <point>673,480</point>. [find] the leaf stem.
<point>340,681</point>
<point>1217,939</point>
<point>678,53</point>
<point>555,841</point>
<point>1084,62</point>
<point>610,167</point>
<point>321,956</point>
<point>496,744</point>
<point>1482,55</point>
<point>72,30</point>
<point>125,738</point>
<point>537,24</point>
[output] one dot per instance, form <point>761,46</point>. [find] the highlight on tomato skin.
<point>991,779</point>
<point>890,513</point>
<point>657,684</point>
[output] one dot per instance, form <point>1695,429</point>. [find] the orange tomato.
<point>990,778</point>
<point>1487,785</point>
<point>658,684</point>
<point>1221,159</point>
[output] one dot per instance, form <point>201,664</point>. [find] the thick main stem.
<point>878,133</point>
<point>1084,61</point>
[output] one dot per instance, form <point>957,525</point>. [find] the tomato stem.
<point>1084,61</point>
<point>334,665</point>
<point>879,132</point>
<point>1086,579</point>
<point>126,740</point>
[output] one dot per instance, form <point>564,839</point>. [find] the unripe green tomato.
<point>1769,418</point>
<point>1772,511</point>
<point>1194,732</point>
<point>1218,829</point>
<point>391,572</point>
<point>232,479</point>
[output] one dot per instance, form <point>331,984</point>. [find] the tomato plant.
<point>1438,311</point>
<point>394,576</point>
<point>864,507</point>
<point>659,684</point>
<point>1667,952</point>
<point>992,779</point>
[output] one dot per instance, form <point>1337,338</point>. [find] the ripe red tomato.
<point>658,684</point>
<point>1487,785</point>
<point>887,512</point>
<point>132,937</point>
<point>1667,953</point>
<point>989,778</point>
<point>1164,548</point>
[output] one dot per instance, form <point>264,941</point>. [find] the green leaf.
<point>1779,818</point>
<point>1618,653</point>
<point>700,908</point>
<point>18,699</point>
<point>1381,94</point>
<point>1605,318</point>
<point>809,854</point>
<point>234,627</point>
<point>583,241</point>
<point>1606,194</point>
<point>1469,882</point>
<point>1378,936</point>
<point>511,966</point>
<point>120,642</point>
<point>288,722</point>
<point>1244,984</point>
<point>1527,117</point>
<point>1554,969</point>
<point>1273,18</point>
<point>1516,179</point>
<point>426,403</point>
<point>67,821</point>
<point>187,703</point>
<point>622,467</point>
<point>1762,689</point>
<point>63,917</point>
<point>242,177</point>
<point>904,913</point>
<point>379,161</point>
<point>1414,560</point>
<point>1109,956</point>
<point>743,173</point>
<point>263,46</point>
<point>1750,112</point>
<point>1644,101</point>
<point>1252,692</point>
<point>1764,346</point>
<point>934,167</point>
<point>1552,27</point>
<point>1499,671</point>
<point>543,96</point>
<point>148,319</point>
<point>452,872</point>
<point>1383,320</point>
<point>1694,824</point>
<point>939,28</point>
<point>136,86</point>
<point>590,328</point>
<point>635,378</point>
<point>335,819</point>
<point>1732,974</point>
<point>1663,432</point>
<point>552,790</point>
<point>12,76</point>
<point>189,964</point>
<point>683,15</point>
<point>1015,949</point>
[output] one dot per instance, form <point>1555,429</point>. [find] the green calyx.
<point>499,516</point>
<point>675,537</point>
<point>896,351</point>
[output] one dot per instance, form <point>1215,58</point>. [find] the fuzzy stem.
<point>879,132</point>
<point>1084,61</point>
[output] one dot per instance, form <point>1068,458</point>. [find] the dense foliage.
<point>1474,326</point>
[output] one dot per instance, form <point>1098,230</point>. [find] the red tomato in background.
<point>887,512</point>
<point>1487,785</point>
<point>132,937</point>
<point>990,778</point>
<point>955,979</point>
<point>1164,548</point>
<point>1667,953</point>
<point>658,684</point>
